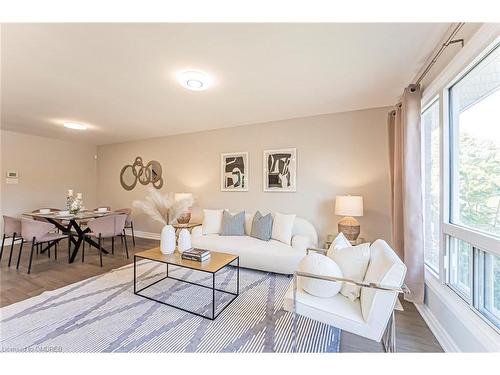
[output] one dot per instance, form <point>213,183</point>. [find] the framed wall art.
<point>234,171</point>
<point>280,170</point>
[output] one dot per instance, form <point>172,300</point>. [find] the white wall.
<point>336,154</point>
<point>47,169</point>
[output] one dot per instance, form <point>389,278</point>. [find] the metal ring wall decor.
<point>145,174</point>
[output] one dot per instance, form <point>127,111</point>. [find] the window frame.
<point>433,101</point>
<point>477,239</point>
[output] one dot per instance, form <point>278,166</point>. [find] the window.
<point>475,120</point>
<point>472,230</point>
<point>431,179</point>
<point>460,267</point>
<point>488,302</point>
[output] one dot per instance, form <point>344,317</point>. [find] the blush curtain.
<point>406,182</point>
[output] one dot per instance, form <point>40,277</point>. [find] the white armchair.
<point>371,315</point>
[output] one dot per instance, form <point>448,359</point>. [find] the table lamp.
<point>186,216</point>
<point>349,206</point>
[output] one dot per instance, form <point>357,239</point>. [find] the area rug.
<point>102,314</point>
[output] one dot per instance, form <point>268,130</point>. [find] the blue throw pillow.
<point>233,225</point>
<point>262,226</point>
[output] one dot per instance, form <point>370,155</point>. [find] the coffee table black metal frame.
<point>213,288</point>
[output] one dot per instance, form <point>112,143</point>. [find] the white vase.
<point>184,242</point>
<point>167,240</point>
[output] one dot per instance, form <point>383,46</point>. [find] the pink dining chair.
<point>128,223</point>
<point>37,211</point>
<point>106,227</point>
<point>39,232</point>
<point>11,229</point>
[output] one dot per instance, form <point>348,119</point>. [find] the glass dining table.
<point>74,226</point>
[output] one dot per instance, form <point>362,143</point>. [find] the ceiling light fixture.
<point>74,125</point>
<point>194,80</point>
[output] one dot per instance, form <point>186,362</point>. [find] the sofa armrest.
<point>197,231</point>
<point>301,243</point>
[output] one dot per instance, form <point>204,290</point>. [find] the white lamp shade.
<point>181,196</point>
<point>349,205</point>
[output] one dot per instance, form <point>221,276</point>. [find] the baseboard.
<point>484,336</point>
<point>8,241</point>
<point>142,234</point>
<point>444,339</point>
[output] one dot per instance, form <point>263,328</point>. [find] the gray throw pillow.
<point>233,225</point>
<point>262,226</point>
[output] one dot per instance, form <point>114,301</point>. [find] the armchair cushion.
<point>337,311</point>
<point>318,264</point>
<point>353,261</point>
<point>386,269</point>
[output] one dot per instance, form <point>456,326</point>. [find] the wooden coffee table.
<point>216,263</point>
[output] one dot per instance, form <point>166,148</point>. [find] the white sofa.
<point>271,256</point>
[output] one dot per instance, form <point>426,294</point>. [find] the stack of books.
<point>198,255</point>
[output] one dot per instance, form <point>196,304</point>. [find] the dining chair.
<point>38,233</point>
<point>128,223</point>
<point>37,211</point>
<point>11,229</point>
<point>106,227</point>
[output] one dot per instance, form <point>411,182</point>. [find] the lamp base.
<point>350,227</point>
<point>184,218</point>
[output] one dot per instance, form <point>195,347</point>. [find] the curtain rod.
<point>449,41</point>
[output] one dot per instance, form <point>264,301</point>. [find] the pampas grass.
<point>163,208</point>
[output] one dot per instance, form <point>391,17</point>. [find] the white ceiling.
<point>120,78</point>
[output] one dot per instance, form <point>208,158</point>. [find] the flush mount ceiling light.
<point>74,125</point>
<point>194,80</point>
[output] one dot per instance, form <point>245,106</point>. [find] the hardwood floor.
<point>48,273</point>
<point>413,335</point>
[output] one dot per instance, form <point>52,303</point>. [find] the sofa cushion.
<point>271,256</point>
<point>212,221</point>
<point>248,223</point>
<point>233,225</point>
<point>283,227</point>
<point>262,226</point>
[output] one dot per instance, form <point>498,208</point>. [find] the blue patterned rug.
<point>102,314</point>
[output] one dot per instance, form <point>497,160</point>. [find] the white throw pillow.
<point>248,223</point>
<point>339,243</point>
<point>319,264</point>
<point>212,221</point>
<point>353,261</point>
<point>283,227</point>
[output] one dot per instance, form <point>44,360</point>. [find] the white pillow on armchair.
<point>352,260</point>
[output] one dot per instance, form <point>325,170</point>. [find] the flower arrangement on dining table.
<point>74,203</point>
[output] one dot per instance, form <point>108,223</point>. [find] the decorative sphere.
<point>322,265</point>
